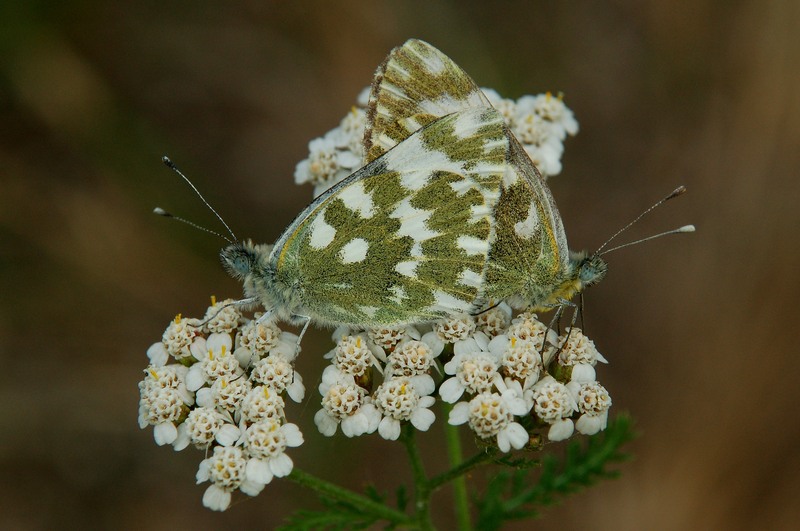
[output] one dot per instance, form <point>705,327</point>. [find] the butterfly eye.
<point>593,270</point>
<point>237,259</point>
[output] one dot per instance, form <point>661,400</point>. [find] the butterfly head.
<point>584,270</point>
<point>241,259</point>
<point>591,269</point>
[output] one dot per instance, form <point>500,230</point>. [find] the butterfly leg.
<point>263,317</point>
<point>240,302</point>
<point>556,319</point>
<point>562,304</point>
<point>302,331</point>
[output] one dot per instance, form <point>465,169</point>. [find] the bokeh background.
<point>700,330</point>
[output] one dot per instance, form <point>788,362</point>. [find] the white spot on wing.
<point>510,176</point>
<point>369,311</point>
<point>413,221</point>
<point>526,228</point>
<point>354,251</point>
<point>413,176</point>
<point>434,64</point>
<point>471,278</point>
<point>462,186</point>
<point>398,294</point>
<point>358,200</point>
<point>416,250</point>
<point>416,162</point>
<point>448,303</point>
<point>490,144</point>
<point>410,124</point>
<point>472,245</point>
<point>484,168</point>
<point>479,212</point>
<point>415,170</point>
<point>465,124</point>
<point>408,268</point>
<point>442,105</point>
<point>322,233</point>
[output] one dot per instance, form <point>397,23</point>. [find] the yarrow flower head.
<point>414,357</point>
<point>204,426</point>
<point>593,403</point>
<point>388,337</point>
<point>474,368</point>
<point>491,416</point>
<point>179,336</point>
<point>201,392</point>
<point>352,355</point>
<point>222,317</point>
<point>404,399</point>
<point>336,155</point>
<point>578,349</point>
<point>455,329</point>
<point>258,338</point>
<point>494,321</point>
<point>346,403</point>
<point>554,404</point>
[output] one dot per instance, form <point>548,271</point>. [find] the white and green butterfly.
<point>448,216</point>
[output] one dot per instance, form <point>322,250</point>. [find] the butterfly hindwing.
<point>529,255</point>
<point>406,238</point>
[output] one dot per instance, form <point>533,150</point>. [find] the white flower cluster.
<point>217,384</point>
<point>541,123</point>
<point>404,357</point>
<point>507,377</point>
<point>339,153</point>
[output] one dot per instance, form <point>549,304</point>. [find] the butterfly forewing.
<point>414,86</point>
<point>407,237</point>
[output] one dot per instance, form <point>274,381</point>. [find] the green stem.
<point>455,472</point>
<point>455,456</point>
<point>335,492</point>
<point>422,492</point>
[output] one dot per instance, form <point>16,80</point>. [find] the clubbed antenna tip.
<point>676,192</point>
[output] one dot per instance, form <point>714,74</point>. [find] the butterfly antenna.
<point>171,165</point>
<point>675,193</point>
<point>161,212</point>
<point>679,230</point>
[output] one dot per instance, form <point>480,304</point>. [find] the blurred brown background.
<point>698,328</point>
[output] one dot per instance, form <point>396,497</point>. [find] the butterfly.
<point>448,216</point>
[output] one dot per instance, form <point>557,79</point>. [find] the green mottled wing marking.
<point>406,238</point>
<point>414,86</point>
